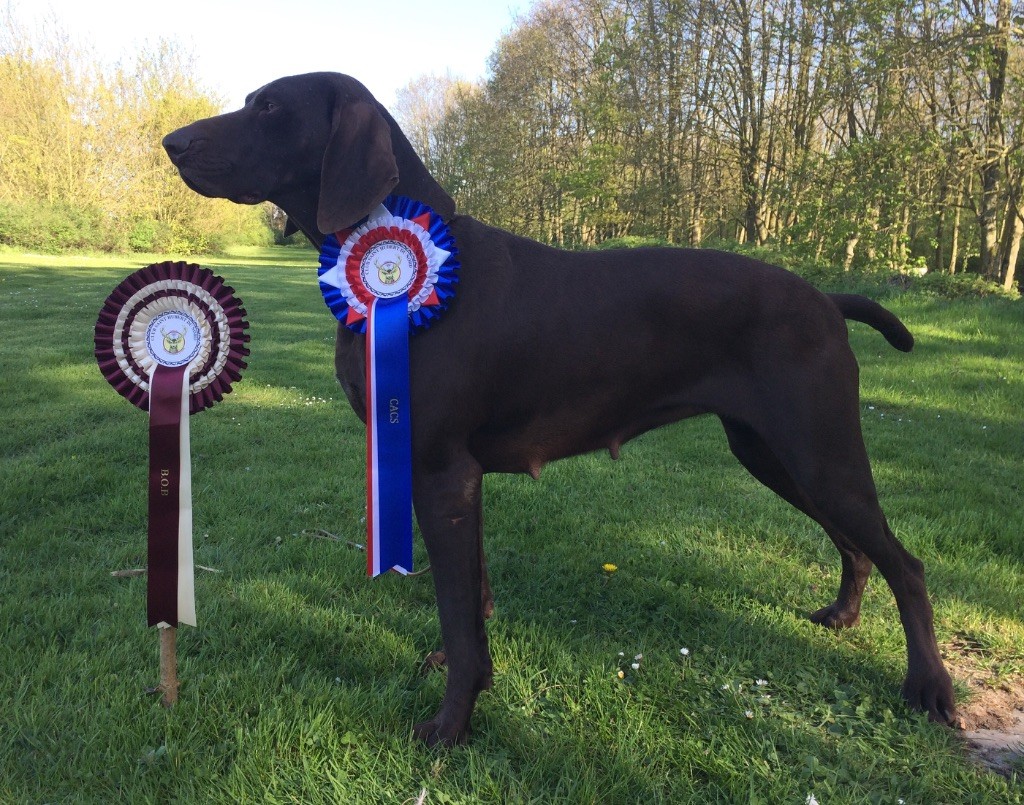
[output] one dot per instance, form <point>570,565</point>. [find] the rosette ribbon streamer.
<point>170,339</point>
<point>171,591</point>
<point>392,273</point>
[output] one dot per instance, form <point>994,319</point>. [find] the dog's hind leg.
<point>849,501</point>
<point>813,428</point>
<point>754,454</point>
<point>448,508</point>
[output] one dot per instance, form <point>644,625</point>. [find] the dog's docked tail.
<point>867,311</point>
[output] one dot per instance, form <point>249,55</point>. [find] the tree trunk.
<point>851,250</point>
<point>995,141</point>
<point>1012,231</point>
<point>987,224</point>
<point>750,121</point>
<point>940,232</point>
<point>954,245</point>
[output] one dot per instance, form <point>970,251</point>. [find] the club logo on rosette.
<point>401,247</point>
<point>173,338</point>
<point>388,268</point>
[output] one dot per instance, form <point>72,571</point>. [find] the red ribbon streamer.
<point>165,404</point>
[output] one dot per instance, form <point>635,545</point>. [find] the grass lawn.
<point>301,683</point>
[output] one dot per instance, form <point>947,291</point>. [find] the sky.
<point>240,46</point>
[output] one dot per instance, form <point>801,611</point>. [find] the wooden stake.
<point>168,665</point>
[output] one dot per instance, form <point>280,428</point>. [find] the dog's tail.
<point>867,311</point>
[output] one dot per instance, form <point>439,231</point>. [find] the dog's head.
<point>321,135</point>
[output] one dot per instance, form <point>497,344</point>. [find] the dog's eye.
<point>268,107</point>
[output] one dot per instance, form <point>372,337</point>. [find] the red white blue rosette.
<point>402,247</point>
<point>171,339</point>
<point>388,275</point>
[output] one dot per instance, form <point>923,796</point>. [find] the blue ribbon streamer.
<point>390,437</point>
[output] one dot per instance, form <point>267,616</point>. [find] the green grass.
<point>301,683</point>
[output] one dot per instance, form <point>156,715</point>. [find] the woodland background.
<point>885,134</point>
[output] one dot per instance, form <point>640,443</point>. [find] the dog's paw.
<point>441,731</point>
<point>434,661</point>
<point>931,692</point>
<point>835,617</point>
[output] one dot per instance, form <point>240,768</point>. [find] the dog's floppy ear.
<point>359,167</point>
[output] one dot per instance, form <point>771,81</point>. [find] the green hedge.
<point>958,286</point>
<point>875,282</point>
<point>52,228</point>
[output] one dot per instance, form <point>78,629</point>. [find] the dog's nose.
<point>177,143</point>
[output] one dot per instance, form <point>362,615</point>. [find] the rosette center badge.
<point>173,338</point>
<point>388,269</point>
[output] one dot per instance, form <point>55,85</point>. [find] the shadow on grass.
<point>557,696</point>
<point>573,616</point>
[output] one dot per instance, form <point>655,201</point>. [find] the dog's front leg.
<point>436,659</point>
<point>448,507</point>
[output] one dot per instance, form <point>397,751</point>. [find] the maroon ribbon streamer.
<point>164,493</point>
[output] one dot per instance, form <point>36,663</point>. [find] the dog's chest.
<point>350,368</point>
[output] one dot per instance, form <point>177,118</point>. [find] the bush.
<point>51,228</point>
<point>631,242</point>
<point>17,227</point>
<point>874,282</point>
<point>252,230</point>
<point>958,286</point>
<point>143,235</point>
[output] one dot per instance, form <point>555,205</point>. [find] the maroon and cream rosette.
<point>173,314</point>
<point>171,340</point>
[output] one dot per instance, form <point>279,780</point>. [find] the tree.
<point>80,158</point>
<point>856,133</point>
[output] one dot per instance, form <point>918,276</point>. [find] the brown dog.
<point>545,354</point>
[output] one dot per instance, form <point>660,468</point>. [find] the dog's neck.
<point>414,182</point>
<point>301,211</point>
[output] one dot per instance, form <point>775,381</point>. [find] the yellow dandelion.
<point>608,567</point>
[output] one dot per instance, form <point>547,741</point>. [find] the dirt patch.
<point>993,726</point>
<point>992,718</point>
